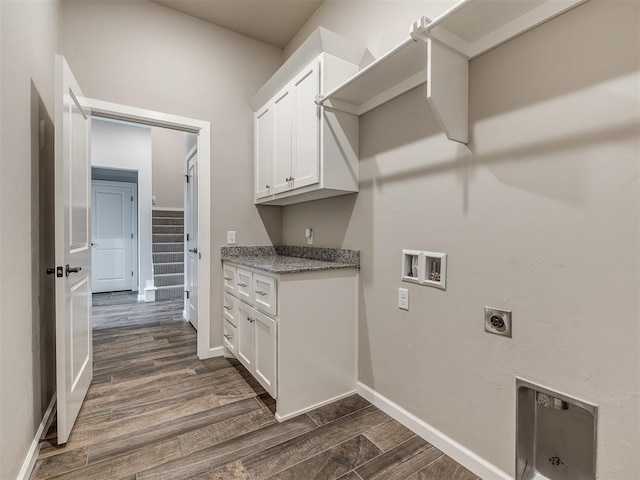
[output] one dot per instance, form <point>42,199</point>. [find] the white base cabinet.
<point>304,354</point>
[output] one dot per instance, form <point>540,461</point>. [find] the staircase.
<point>168,253</point>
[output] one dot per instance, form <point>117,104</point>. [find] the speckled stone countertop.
<point>287,259</point>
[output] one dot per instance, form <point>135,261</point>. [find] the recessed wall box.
<point>412,266</point>
<point>434,273</point>
<point>556,435</point>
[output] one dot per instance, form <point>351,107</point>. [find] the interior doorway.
<point>201,308</point>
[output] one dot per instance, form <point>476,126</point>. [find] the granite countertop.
<point>291,259</point>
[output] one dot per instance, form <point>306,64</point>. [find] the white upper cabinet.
<point>314,152</point>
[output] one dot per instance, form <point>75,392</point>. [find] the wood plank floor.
<point>154,411</point>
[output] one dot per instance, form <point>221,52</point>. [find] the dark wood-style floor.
<point>154,411</point>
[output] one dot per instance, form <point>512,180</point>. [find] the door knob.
<point>94,244</point>
<point>69,269</point>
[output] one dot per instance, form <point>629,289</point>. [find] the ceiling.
<point>271,21</point>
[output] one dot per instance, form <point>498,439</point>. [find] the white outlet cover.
<point>403,298</point>
<point>231,237</point>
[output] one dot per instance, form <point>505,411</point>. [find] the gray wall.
<point>148,56</point>
<point>168,167</point>
<point>539,214</point>
<point>127,146</point>
<point>28,41</point>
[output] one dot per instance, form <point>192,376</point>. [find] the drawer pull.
<point>260,292</point>
<point>227,336</point>
<point>228,279</point>
<point>242,285</point>
<point>228,307</point>
<point>251,320</point>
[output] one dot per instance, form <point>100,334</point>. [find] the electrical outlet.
<point>403,298</point>
<point>231,237</point>
<point>497,321</point>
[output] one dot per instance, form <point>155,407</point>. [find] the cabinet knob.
<point>251,320</point>
<point>267,187</point>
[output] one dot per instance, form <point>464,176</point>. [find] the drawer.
<point>229,338</point>
<point>244,285</point>
<point>264,291</point>
<point>229,278</point>
<point>229,309</point>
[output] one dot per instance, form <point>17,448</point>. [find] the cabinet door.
<point>263,131</point>
<point>245,336</point>
<point>306,156</point>
<point>266,352</point>
<point>282,140</point>
<point>264,290</point>
<point>229,309</point>
<point>229,278</point>
<point>244,285</point>
<point>230,339</point>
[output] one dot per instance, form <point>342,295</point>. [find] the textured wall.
<point>168,167</point>
<point>125,146</point>
<point>28,41</point>
<point>539,215</point>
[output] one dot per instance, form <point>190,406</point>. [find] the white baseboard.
<point>34,449</point>
<point>168,209</point>
<point>282,418</point>
<point>461,454</point>
<point>212,352</point>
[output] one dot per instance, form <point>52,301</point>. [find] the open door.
<point>74,357</point>
<point>191,240</point>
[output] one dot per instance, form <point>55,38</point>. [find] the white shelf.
<point>396,72</point>
<point>472,27</point>
<point>468,29</point>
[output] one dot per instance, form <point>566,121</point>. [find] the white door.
<point>264,151</point>
<point>74,358</point>
<point>113,239</point>
<point>306,155</point>
<point>282,141</point>
<point>265,339</point>
<point>245,335</point>
<point>191,238</point>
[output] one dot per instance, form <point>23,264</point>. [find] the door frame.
<point>202,129</point>
<point>135,241</point>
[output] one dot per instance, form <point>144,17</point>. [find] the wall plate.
<point>412,266</point>
<point>434,273</point>
<point>497,321</point>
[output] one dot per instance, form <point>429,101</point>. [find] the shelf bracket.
<point>418,30</point>
<point>448,90</point>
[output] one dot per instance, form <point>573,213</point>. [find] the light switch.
<point>231,237</point>
<point>403,298</point>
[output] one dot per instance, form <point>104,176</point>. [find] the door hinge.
<point>188,237</point>
<point>132,273</point>
<point>186,292</point>
<point>132,198</point>
<point>132,235</point>
<point>186,178</point>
